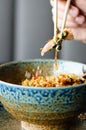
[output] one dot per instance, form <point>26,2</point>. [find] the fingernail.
<point>73,11</point>
<point>80,20</point>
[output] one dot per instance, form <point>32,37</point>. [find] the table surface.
<point>8,122</point>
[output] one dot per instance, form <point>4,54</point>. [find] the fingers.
<point>61,6</point>
<point>68,24</point>
<point>74,18</point>
<point>79,33</point>
<point>80,19</point>
<point>81,4</point>
<point>71,21</point>
<point>73,11</point>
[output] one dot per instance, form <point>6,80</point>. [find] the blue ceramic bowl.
<point>37,104</point>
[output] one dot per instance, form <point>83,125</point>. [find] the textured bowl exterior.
<point>35,104</point>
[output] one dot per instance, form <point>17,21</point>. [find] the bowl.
<point>40,107</point>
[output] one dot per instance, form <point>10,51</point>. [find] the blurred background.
<point>25,26</point>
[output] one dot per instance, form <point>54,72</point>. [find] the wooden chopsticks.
<point>65,15</point>
<point>56,26</point>
<point>56,16</point>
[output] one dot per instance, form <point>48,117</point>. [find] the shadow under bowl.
<point>41,105</point>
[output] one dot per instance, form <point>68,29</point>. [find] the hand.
<point>76,19</point>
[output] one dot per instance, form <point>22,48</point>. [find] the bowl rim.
<point>35,87</point>
<point>43,88</point>
<point>36,60</point>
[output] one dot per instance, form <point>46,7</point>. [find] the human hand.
<point>76,19</point>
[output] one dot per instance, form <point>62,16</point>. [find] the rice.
<point>54,81</point>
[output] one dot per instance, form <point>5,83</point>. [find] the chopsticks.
<point>65,15</point>
<point>56,16</point>
<point>55,31</point>
<point>56,26</point>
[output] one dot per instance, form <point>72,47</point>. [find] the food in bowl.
<point>40,73</point>
<point>60,80</point>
